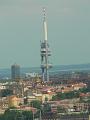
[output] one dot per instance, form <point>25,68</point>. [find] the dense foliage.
<point>68,95</point>
<point>36,104</point>
<point>46,108</point>
<point>85,90</point>
<point>6,92</point>
<point>17,115</point>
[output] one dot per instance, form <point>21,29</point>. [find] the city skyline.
<point>21,28</point>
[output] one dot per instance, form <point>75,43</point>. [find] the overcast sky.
<point>21,29</point>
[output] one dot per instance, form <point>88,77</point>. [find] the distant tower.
<point>45,52</point>
<point>15,72</point>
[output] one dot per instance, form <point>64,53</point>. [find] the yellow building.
<point>38,97</point>
<point>12,101</point>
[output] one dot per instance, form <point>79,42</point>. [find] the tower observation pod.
<point>45,52</point>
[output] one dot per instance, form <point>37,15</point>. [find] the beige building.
<point>12,101</point>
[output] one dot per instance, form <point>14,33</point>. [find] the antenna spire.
<point>44,13</point>
<point>45,24</point>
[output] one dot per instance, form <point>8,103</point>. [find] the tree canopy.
<point>36,104</point>
<point>68,95</point>
<point>12,114</point>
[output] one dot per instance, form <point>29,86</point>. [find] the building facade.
<point>15,72</point>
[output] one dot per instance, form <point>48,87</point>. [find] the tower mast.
<point>45,51</point>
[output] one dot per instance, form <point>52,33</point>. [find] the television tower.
<point>45,51</point>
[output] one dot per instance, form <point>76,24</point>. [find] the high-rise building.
<point>15,72</point>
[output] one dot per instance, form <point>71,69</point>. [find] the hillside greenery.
<point>16,115</point>
<point>70,95</point>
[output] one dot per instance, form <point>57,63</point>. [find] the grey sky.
<point>21,31</point>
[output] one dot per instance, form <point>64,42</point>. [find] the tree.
<point>28,115</point>
<point>68,95</point>
<point>36,104</point>
<point>12,114</point>
<point>46,107</point>
<point>46,99</point>
<point>6,92</point>
<point>84,90</point>
<point>1,117</point>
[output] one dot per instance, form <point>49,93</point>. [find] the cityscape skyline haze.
<point>21,29</point>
